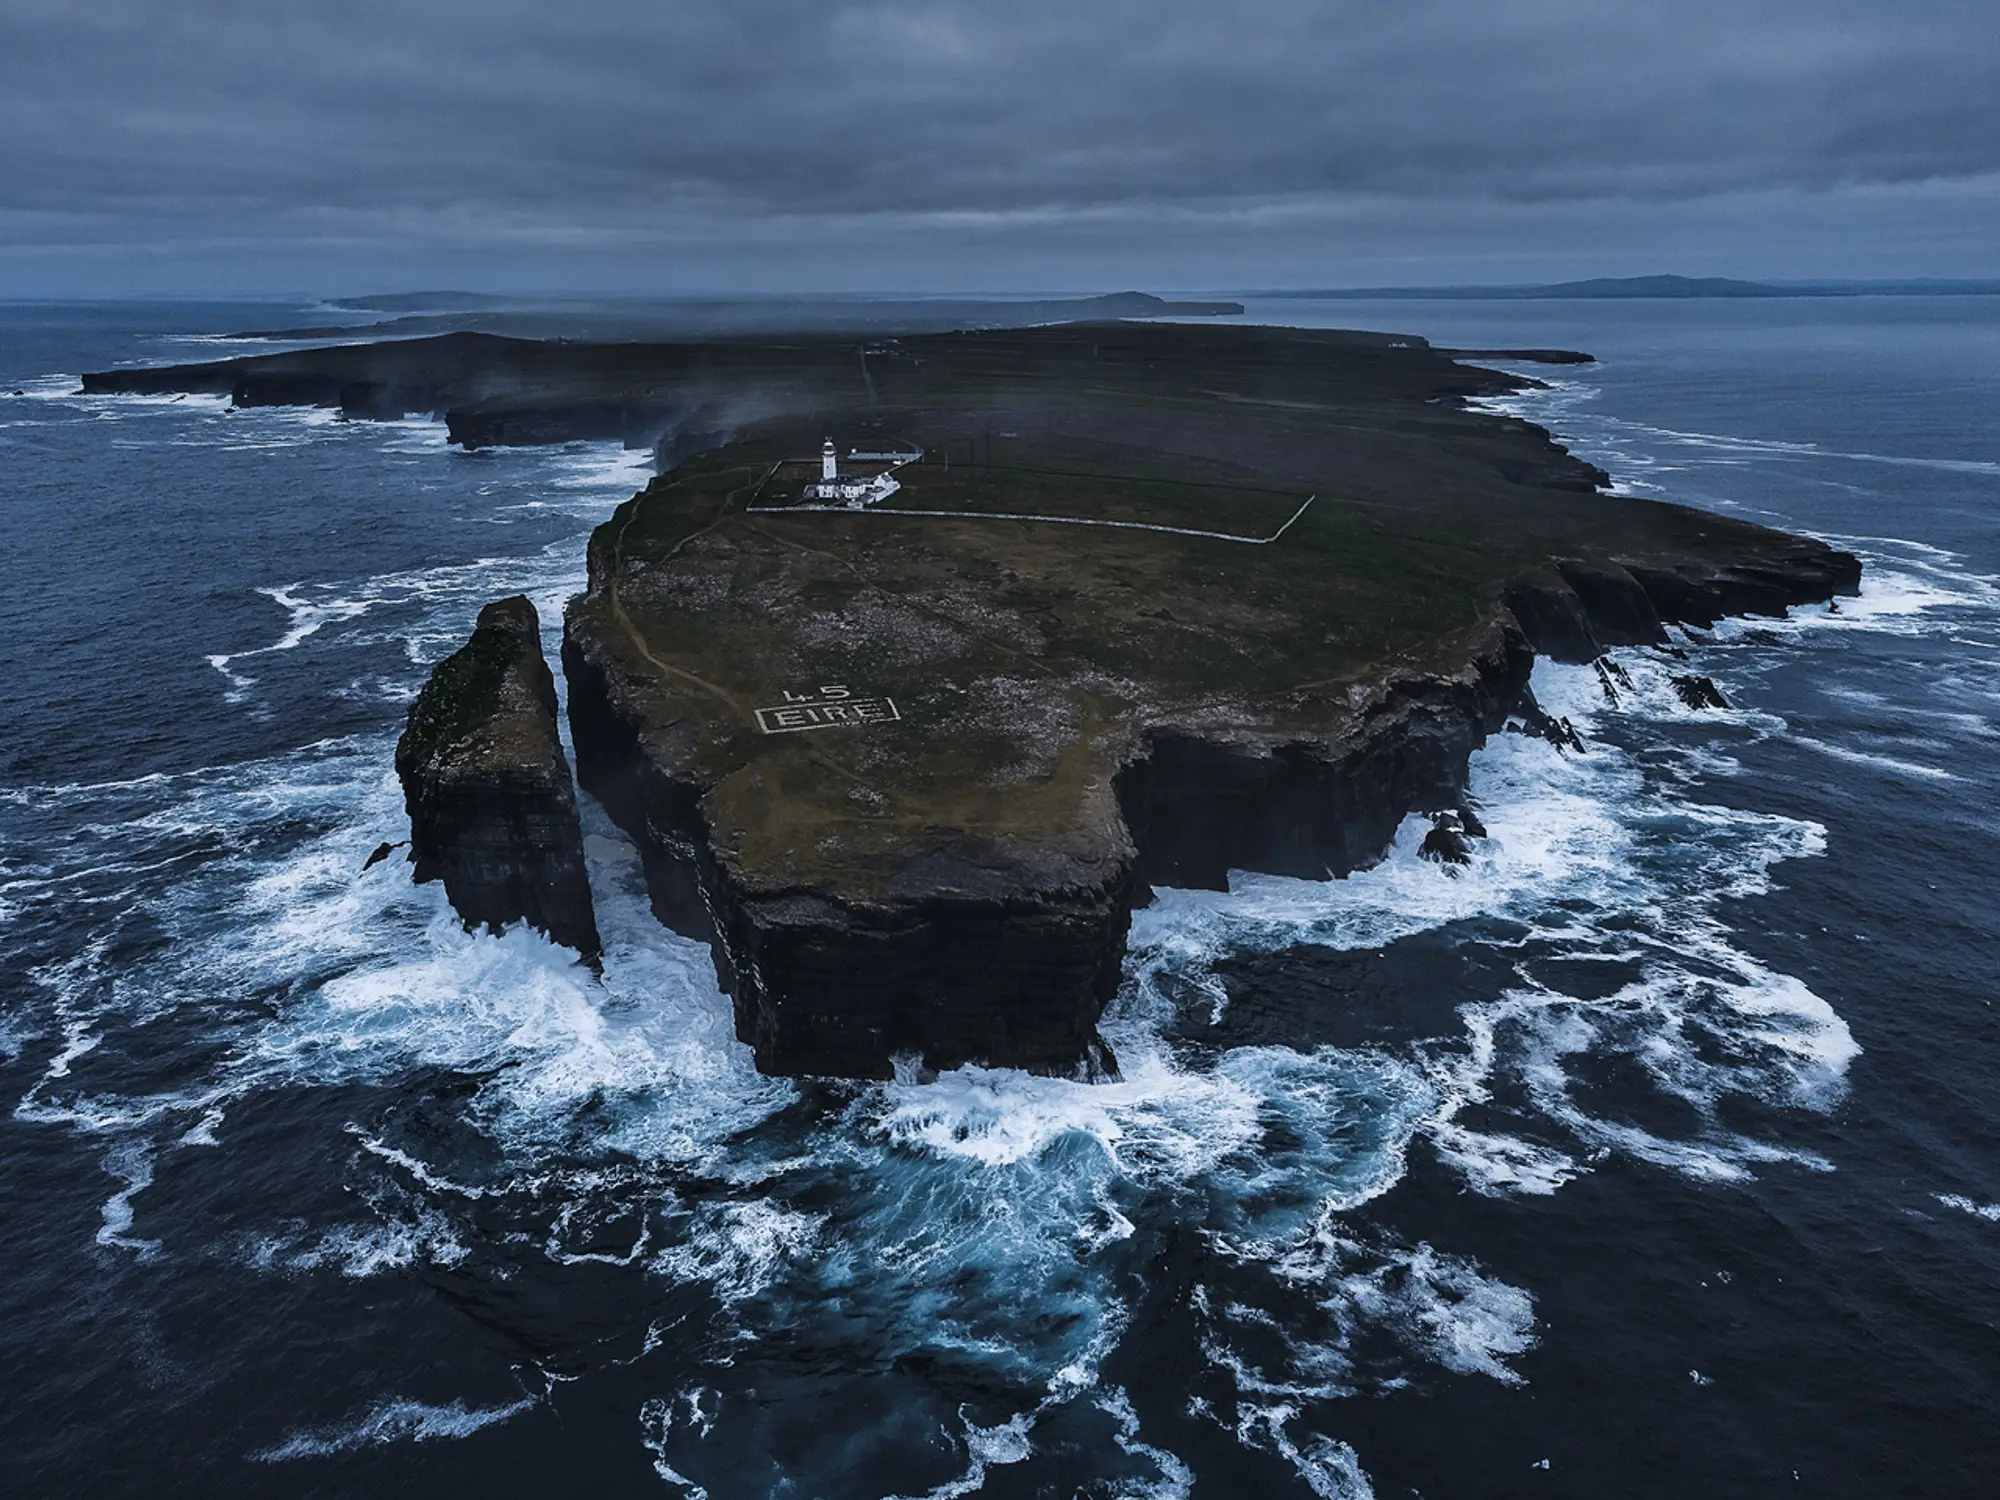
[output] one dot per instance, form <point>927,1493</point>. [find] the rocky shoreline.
<point>1150,604</point>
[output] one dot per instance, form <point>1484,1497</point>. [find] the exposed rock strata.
<point>1202,804</point>
<point>1577,609</point>
<point>492,809</point>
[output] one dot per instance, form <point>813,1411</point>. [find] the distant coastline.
<point>420,314</point>
<point>1651,287</point>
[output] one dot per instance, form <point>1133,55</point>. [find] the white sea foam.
<point>741,1248</point>
<point>398,1420</point>
<point>1027,1183</point>
<point>1441,1308</point>
<point>15,1034</point>
<point>1987,1211</point>
<point>655,1031</point>
<point>657,1419</point>
<point>1587,853</point>
<point>1154,1118</point>
<point>358,1251</point>
<point>1467,1322</point>
<point>415,1168</point>
<point>1890,763</point>
<point>68,390</point>
<point>133,1163</point>
<point>985,1447</point>
<point>1330,1468</point>
<point>1497,1165</point>
<point>49,387</point>
<point>1175,1479</point>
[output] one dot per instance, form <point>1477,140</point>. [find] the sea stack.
<point>492,806</point>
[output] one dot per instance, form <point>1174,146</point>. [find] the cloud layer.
<point>610,128</point>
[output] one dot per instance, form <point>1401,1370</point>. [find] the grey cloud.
<point>433,122</point>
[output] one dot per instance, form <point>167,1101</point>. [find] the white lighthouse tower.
<point>857,491</point>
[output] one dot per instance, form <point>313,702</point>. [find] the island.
<point>1144,604</point>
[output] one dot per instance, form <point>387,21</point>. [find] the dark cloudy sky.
<point>251,145</point>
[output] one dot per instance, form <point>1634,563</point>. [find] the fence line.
<point>1001,515</point>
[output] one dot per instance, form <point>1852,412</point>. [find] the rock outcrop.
<point>492,808</point>
<point>1531,718</point>
<point>961,946</point>
<point>1698,692</point>
<point>1449,843</point>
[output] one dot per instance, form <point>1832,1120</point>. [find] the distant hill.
<point>416,314</point>
<point>1658,287</point>
<point>423,302</point>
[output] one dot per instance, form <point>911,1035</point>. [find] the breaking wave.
<point>392,1422</point>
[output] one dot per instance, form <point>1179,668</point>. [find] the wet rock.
<point>1699,692</point>
<point>382,852</point>
<point>1532,719</point>
<point>1612,678</point>
<point>1694,591</point>
<point>492,807</point>
<point>1617,606</point>
<point>1448,843</point>
<point>1553,617</point>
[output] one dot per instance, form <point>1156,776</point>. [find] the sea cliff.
<point>492,807</point>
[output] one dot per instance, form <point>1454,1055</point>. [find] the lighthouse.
<point>855,491</point>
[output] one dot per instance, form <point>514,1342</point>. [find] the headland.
<point>1148,603</point>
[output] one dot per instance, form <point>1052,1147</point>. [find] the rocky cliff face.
<point>1200,803</point>
<point>1008,955</point>
<point>1006,952</point>
<point>1574,610</point>
<point>972,949</point>
<point>492,809</point>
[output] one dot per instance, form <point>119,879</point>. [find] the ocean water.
<point>1657,1153</point>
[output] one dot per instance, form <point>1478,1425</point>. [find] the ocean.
<point>1656,1153</point>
